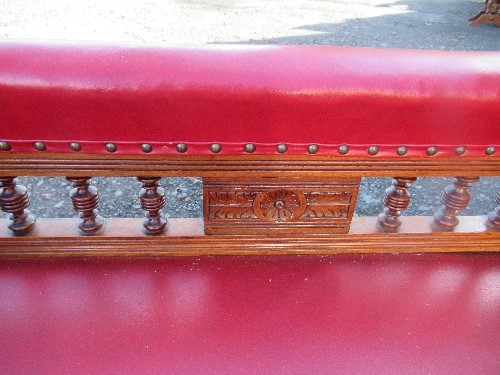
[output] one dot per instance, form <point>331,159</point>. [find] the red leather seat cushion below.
<point>93,94</point>
<point>341,314</point>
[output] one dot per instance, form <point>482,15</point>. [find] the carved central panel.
<point>267,207</point>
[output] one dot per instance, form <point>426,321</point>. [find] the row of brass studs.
<point>250,148</point>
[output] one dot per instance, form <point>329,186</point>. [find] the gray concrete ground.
<point>420,24</point>
<point>423,24</point>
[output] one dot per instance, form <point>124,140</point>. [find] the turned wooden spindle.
<point>14,200</point>
<point>490,13</point>
<point>152,200</point>
<point>85,200</point>
<point>455,198</point>
<point>396,200</point>
<point>494,217</point>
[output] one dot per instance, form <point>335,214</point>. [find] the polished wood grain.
<point>278,205</point>
<point>396,199</point>
<point>455,198</point>
<point>14,200</point>
<point>125,237</point>
<point>152,201</point>
<point>244,166</point>
<point>365,235</point>
<point>85,200</point>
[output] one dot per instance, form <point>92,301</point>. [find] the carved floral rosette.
<point>260,207</point>
<point>279,205</point>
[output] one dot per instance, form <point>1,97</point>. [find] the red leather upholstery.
<point>344,314</point>
<point>58,93</point>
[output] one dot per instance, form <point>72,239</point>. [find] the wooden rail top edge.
<point>48,164</point>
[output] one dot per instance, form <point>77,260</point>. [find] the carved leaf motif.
<point>275,206</point>
<point>332,212</point>
<point>227,198</point>
<point>232,213</point>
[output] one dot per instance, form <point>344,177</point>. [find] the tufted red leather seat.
<point>93,94</point>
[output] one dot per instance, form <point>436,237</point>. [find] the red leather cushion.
<point>346,314</point>
<point>233,95</point>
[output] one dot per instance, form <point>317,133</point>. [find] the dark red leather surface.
<point>345,314</point>
<point>233,95</point>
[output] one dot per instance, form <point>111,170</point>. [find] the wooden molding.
<point>283,166</point>
<point>126,237</point>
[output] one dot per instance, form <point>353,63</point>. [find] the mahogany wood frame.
<point>310,166</point>
<point>291,197</point>
<point>126,237</point>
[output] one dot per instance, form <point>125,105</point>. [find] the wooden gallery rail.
<point>281,136</point>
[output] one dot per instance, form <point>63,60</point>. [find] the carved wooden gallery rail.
<point>280,135</point>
